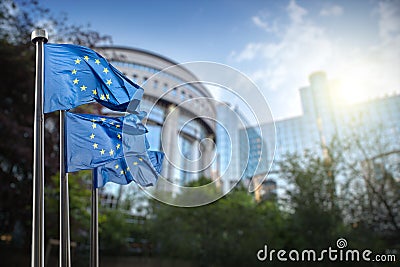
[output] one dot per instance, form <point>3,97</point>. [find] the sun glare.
<point>354,85</point>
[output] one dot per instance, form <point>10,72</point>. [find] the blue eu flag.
<point>93,140</point>
<point>115,147</point>
<point>142,168</point>
<point>76,75</point>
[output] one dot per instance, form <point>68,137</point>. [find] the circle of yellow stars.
<point>103,97</point>
<point>83,87</point>
<point>95,145</point>
<point>135,163</point>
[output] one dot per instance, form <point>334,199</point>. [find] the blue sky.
<point>276,43</point>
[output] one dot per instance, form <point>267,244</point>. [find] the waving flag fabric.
<point>76,75</point>
<point>93,140</point>
<point>115,147</point>
<point>142,168</point>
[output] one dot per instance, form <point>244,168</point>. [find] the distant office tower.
<point>242,152</point>
<point>324,118</point>
<point>253,152</point>
<point>227,130</point>
<point>314,128</point>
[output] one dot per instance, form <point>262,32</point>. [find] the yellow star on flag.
<point>102,97</point>
<point>105,70</point>
<point>119,136</point>
<point>111,152</point>
<point>94,125</point>
<point>109,82</point>
<point>97,61</point>
<point>86,58</point>
<point>107,96</point>
<point>74,71</point>
<point>83,88</point>
<point>75,81</point>
<point>102,151</point>
<point>121,172</point>
<point>94,92</point>
<point>135,163</point>
<point>103,119</point>
<point>95,145</point>
<point>77,61</point>
<point>92,136</point>
<point>140,159</point>
<point>116,166</point>
<point>118,146</point>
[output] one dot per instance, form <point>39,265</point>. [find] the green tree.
<point>80,203</point>
<point>122,233</point>
<point>311,197</point>
<point>349,191</point>
<point>228,232</point>
<point>372,185</point>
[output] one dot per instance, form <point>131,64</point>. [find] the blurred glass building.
<point>324,118</point>
<point>242,153</point>
<point>255,161</point>
<point>228,142</point>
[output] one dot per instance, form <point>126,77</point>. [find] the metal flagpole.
<point>94,226</point>
<point>38,37</point>
<point>65,246</point>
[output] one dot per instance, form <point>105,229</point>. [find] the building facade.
<point>228,141</point>
<point>324,118</point>
<point>180,118</point>
<point>177,110</point>
<point>242,151</point>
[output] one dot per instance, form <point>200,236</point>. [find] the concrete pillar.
<point>196,163</point>
<point>208,154</point>
<point>169,142</point>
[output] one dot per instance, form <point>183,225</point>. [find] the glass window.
<point>156,114</point>
<point>154,136</point>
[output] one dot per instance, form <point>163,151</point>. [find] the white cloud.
<point>296,12</point>
<point>389,19</point>
<point>384,57</point>
<point>257,21</point>
<point>304,47</point>
<point>263,24</point>
<point>334,10</point>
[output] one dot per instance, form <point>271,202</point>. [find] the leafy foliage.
<point>226,233</point>
<point>312,199</point>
